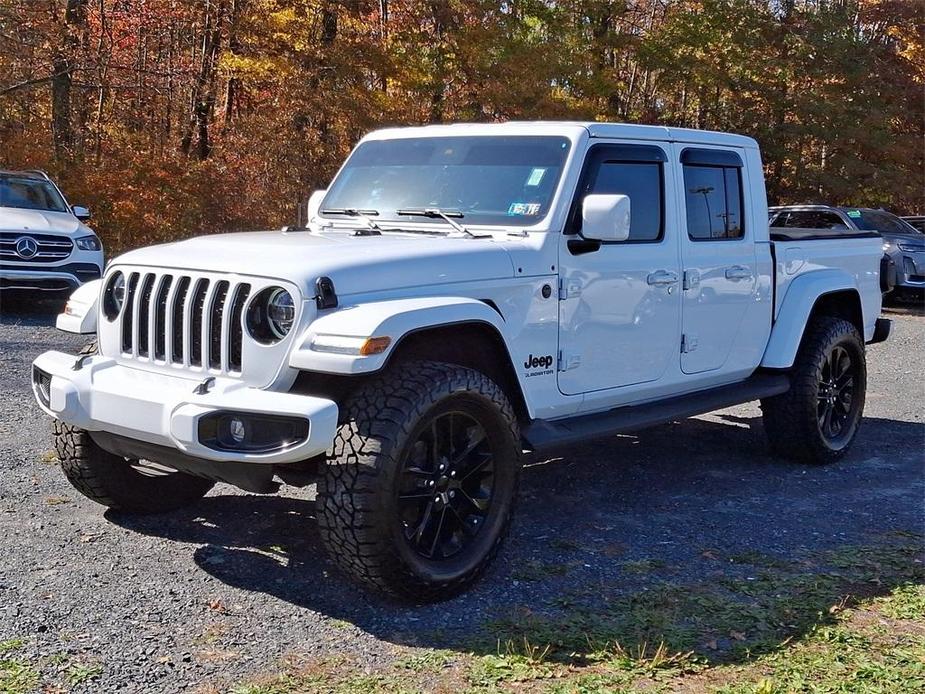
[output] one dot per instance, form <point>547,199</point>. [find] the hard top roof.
<point>594,130</point>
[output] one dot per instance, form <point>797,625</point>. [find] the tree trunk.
<point>63,65</point>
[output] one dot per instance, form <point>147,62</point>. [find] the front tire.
<point>419,491</point>
<point>118,483</point>
<point>817,419</point>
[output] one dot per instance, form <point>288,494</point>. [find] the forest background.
<point>171,118</point>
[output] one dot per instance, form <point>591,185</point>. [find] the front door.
<point>620,302</point>
<point>720,276</point>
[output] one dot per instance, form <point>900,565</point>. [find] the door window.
<point>642,182</point>
<point>713,197</point>
<point>632,170</point>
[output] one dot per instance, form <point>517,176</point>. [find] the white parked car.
<point>462,294</point>
<point>44,244</point>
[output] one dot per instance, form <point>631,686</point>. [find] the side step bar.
<point>542,433</point>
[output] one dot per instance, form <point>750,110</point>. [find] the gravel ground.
<point>230,586</point>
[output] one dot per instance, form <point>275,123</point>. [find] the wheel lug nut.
<point>430,484</point>
<point>437,499</point>
<point>452,473</point>
<point>452,493</point>
<point>442,468</point>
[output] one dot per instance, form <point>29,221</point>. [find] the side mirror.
<point>82,213</point>
<point>314,203</point>
<point>605,217</point>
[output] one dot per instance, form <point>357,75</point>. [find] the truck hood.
<point>39,221</point>
<point>355,263</point>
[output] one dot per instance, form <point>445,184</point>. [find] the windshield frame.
<point>392,222</point>
<point>52,192</point>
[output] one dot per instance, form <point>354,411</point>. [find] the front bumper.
<point>52,279</point>
<point>98,394</point>
<point>911,273</point>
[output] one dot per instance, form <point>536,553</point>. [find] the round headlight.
<point>280,312</point>
<point>114,296</point>
<point>271,315</point>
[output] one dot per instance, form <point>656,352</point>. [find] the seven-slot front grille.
<point>195,322</point>
<point>47,248</point>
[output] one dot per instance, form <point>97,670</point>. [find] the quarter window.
<point>713,197</point>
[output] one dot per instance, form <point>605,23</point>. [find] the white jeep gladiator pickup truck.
<point>462,294</point>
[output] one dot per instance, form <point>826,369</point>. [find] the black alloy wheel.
<point>836,402</point>
<point>418,491</point>
<point>447,481</point>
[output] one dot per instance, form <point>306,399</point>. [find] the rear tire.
<point>419,491</point>
<point>817,419</point>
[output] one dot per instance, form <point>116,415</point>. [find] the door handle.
<point>662,278</point>
<point>738,272</point>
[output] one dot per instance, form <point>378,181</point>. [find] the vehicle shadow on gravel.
<point>29,308</point>
<point>688,535</point>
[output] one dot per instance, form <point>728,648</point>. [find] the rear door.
<point>720,277</point>
<point>619,308</point>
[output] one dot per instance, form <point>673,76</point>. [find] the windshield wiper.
<point>363,215</point>
<point>437,213</point>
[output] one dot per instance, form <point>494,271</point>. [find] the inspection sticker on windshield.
<point>524,209</point>
<point>854,214</point>
<point>535,177</point>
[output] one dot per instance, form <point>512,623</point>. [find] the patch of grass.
<point>905,602</point>
<point>79,673</point>
<point>17,676</point>
<point>727,620</point>
<point>840,622</point>
<point>56,500</point>
<point>11,645</point>
<point>49,458</point>
<point>643,566</point>
<point>425,660</point>
<point>846,657</point>
<point>515,662</point>
<point>535,570</point>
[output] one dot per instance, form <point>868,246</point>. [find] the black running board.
<point>542,433</point>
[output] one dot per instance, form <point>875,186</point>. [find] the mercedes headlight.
<point>88,243</point>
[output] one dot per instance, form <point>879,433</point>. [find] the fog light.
<point>247,432</point>
<point>236,430</point>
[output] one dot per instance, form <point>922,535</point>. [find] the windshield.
<point>30,194</point>
<point>490,180</point>
<point>878,220</point>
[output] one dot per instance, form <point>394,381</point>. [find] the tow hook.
<point>79,364</point>
<point>203,388</point>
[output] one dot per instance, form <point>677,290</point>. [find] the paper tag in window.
<point>535,177</point>
<point>854,214</point>
<point>524,209</point>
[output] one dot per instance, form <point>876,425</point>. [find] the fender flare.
<point>395,319</point>
<point>795,310</point>
<point>79,315</point>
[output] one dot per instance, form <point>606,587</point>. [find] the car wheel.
<point>419,490</point>
<point>817,419</point>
